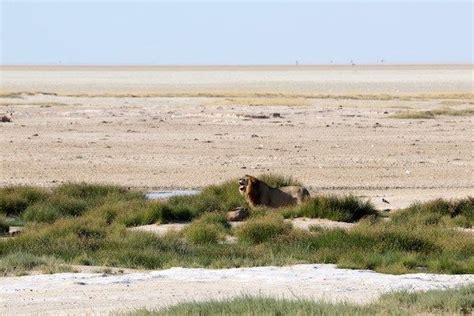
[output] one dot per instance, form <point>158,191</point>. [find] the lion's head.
<point>245,183</point>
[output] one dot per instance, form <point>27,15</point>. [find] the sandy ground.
<point>100,128</point>
<point>73,293</point>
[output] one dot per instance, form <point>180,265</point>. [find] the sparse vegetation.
<point>202,93</point>
<point>451,301</point>
<point>268,101</point>
<point>433,113</point>
<point>414,115</point>
<point>86,224</point>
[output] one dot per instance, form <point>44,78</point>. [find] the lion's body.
<point>258,193</point>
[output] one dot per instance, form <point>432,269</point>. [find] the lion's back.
<point>288,195</point>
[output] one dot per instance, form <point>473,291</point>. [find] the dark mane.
<point>254,193</point>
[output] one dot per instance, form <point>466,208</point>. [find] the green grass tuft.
<point>20,263</point>
<point>262,229</point>
<point>208,229</point>
<point>451,301</point>
<point>14,200</point>
<point>438,212</point>
<point>346,208</point>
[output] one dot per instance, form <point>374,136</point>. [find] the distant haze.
<point>235,33</point>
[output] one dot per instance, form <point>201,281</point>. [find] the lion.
<point>258,193</point>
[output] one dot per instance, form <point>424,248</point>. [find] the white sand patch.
<point>79,293</point>
<point>160,229</point>
<point>306,223</point>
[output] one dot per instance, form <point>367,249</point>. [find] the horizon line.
<point>239,65</point>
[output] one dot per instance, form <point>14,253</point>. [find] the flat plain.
<point>402,133</point>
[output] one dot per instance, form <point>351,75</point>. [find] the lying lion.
<point>258,193</point>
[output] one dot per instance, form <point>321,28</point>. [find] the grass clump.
<point>451,301</point>
<point>262,229</point>
<point>438,213</point>
<point>222,197</point>
<point>208,229</point>
<point>346,209</point>
<point>53,208</point>
<point>414,115</point>
<point>67,200</point>
<point>14,200</point>
<point>203,233</point>
<point>19,263</point>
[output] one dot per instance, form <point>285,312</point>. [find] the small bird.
<point>385,201</point>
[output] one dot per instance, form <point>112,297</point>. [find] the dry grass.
<point>455,102</point>
<point>268,101</point>
<point>452,112</point>
<point>252,94</point>
<point>413,115</point>
<point>433,113</point>
<point>40,104</point>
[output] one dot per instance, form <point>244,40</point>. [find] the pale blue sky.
<point>235,33</point>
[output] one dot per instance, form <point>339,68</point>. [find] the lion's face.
<point>244,183</point>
